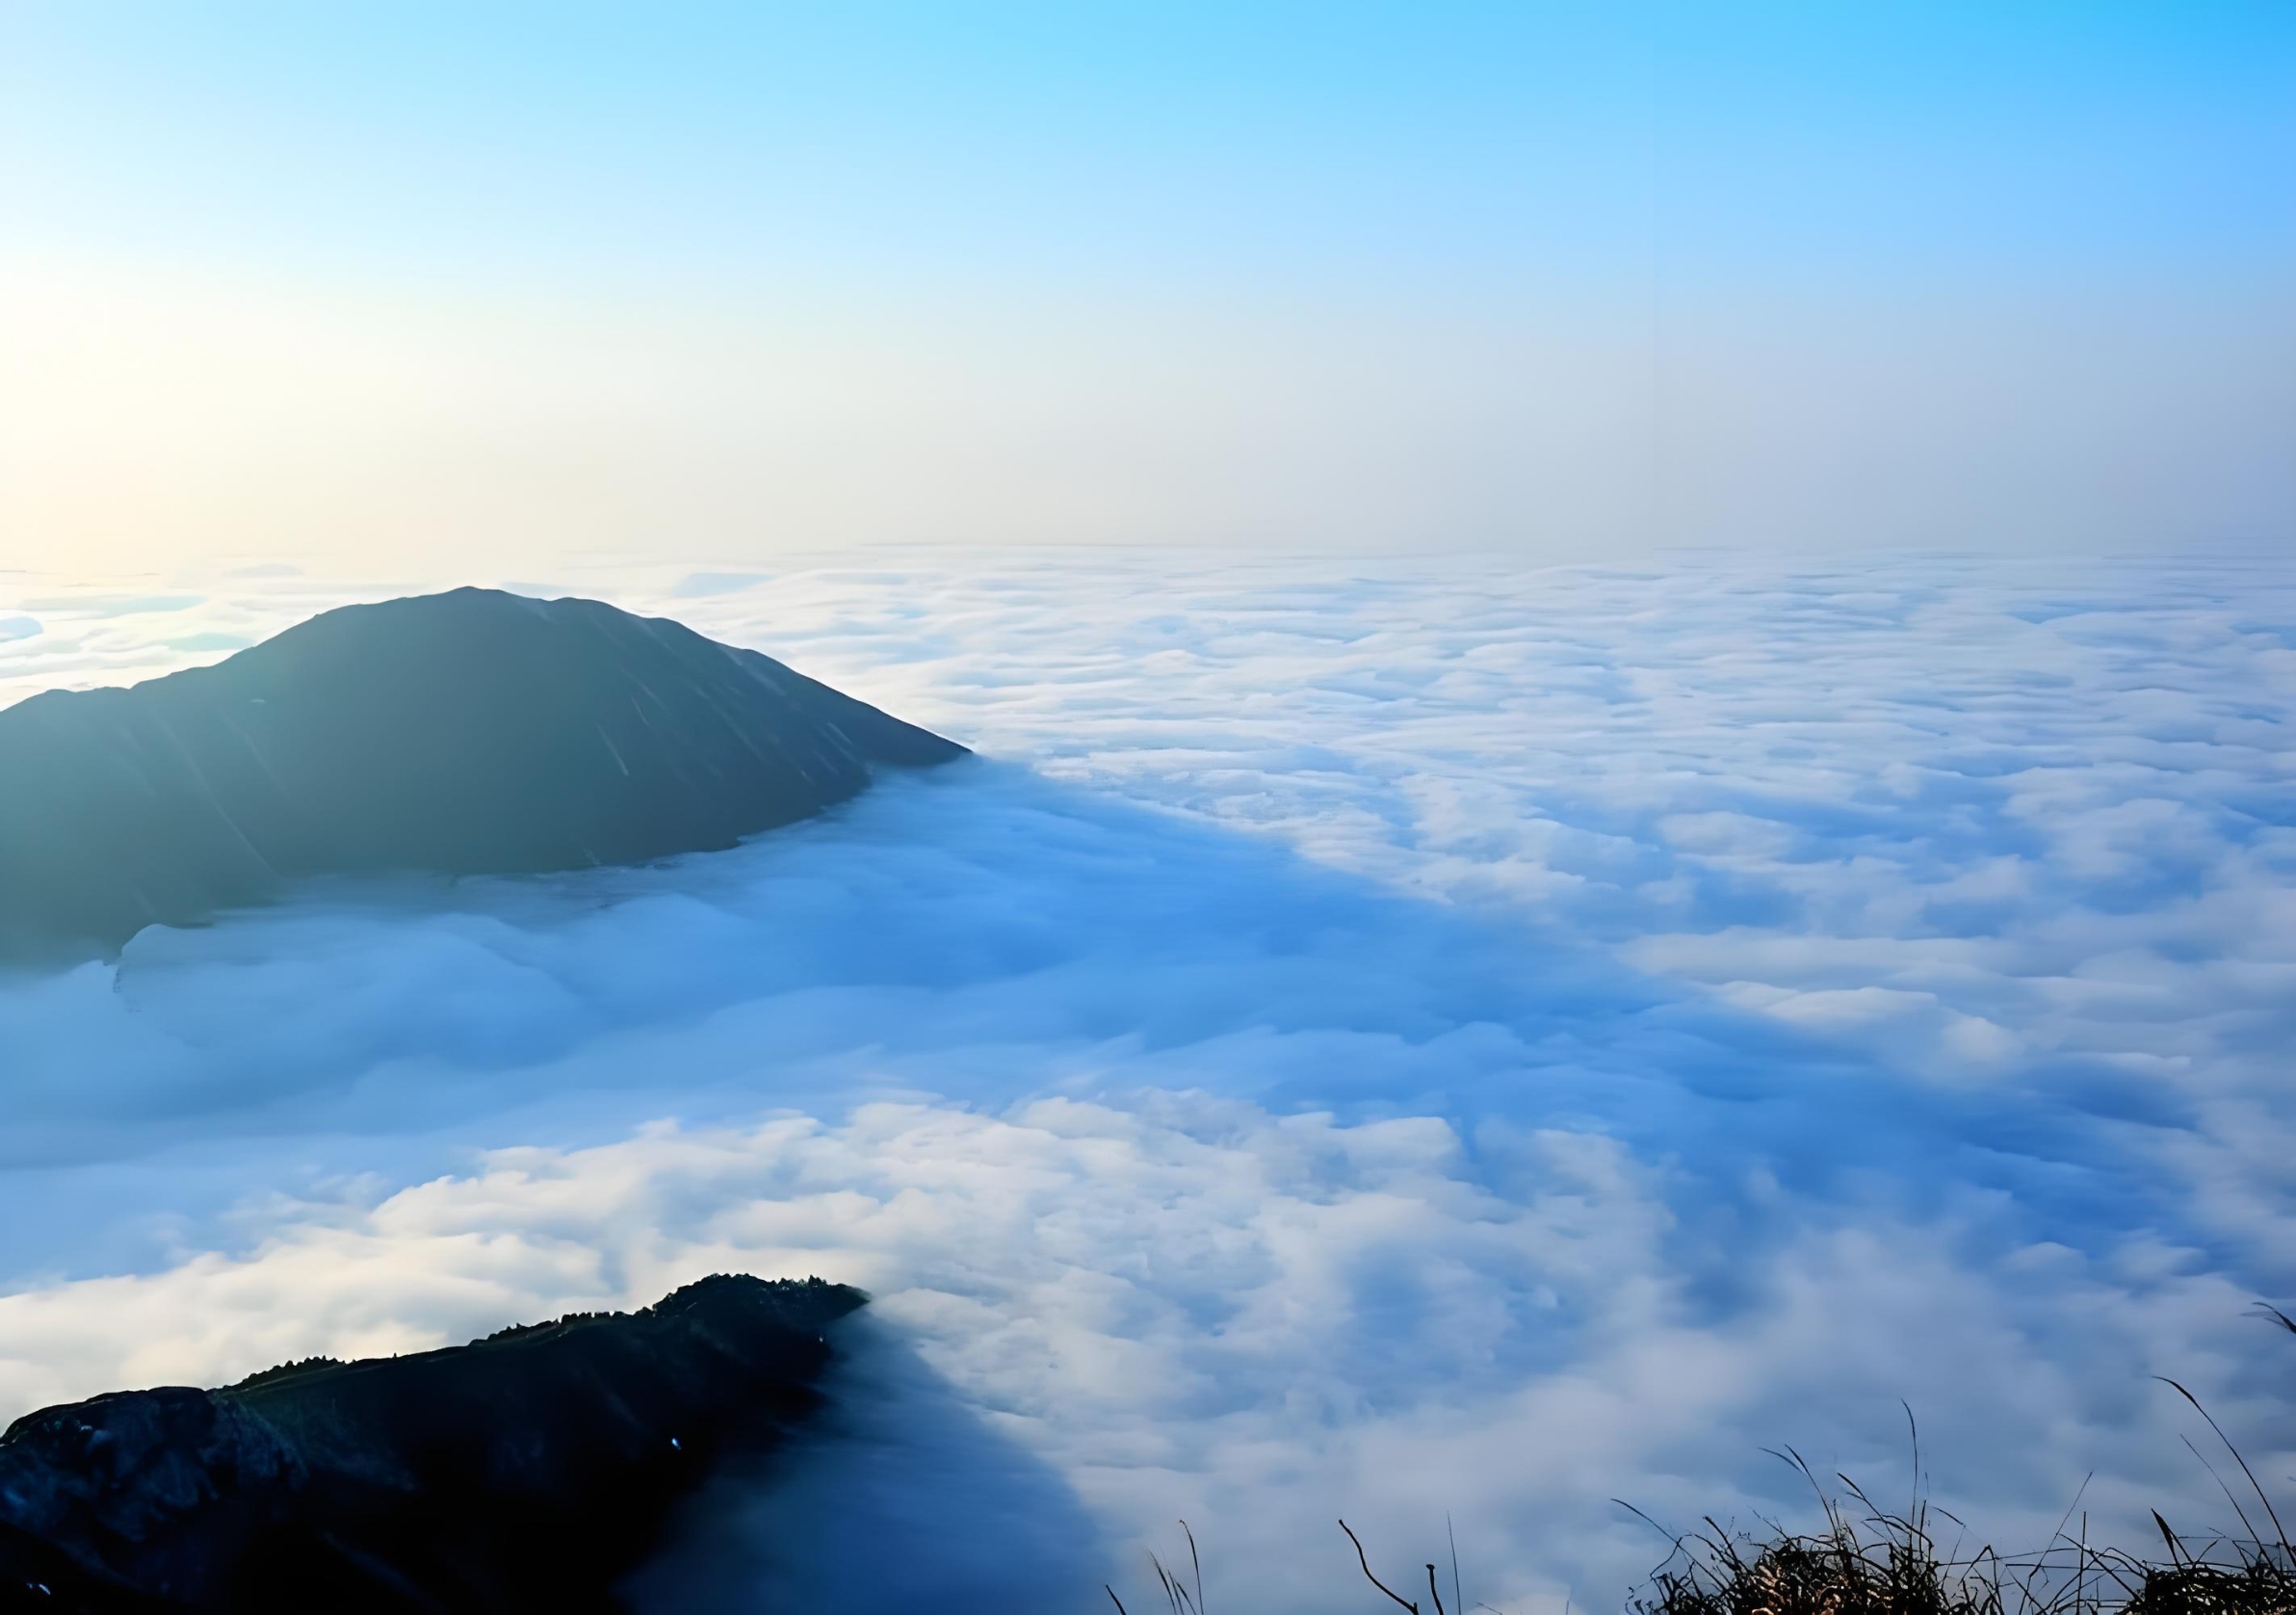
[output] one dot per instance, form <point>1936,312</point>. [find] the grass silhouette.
<point>1867,1559</point>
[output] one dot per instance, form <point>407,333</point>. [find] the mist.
<point>1553,420</point>
<point>1361,1042</point>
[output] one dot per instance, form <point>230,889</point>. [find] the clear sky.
<point>444,280</point>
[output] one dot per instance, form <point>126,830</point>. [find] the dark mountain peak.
<point>464,733</point>
<point>525,1471</point>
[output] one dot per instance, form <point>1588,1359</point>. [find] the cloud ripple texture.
<point>1395,1042</point>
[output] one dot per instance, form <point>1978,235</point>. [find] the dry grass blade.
<point>1364,1559</point>
<point>2280,1532</point>
<point>1458,1598</point>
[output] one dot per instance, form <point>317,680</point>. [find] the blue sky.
<point>1203,141</point>
<point>1432,195</point>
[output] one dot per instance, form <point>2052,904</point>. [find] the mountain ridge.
<point>471,732</point>
<point>530,1469</point>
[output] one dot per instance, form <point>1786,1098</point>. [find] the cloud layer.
<point>1392,1044</point>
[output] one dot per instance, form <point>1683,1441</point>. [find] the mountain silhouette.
<point>526,1472</point>
<point>467,733</point>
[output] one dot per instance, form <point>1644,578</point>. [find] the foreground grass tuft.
<point>1870,1560</point>
<point>1876,1563</point>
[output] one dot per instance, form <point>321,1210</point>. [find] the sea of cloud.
<point>1408,1041</point>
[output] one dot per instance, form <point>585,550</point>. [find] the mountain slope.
<point>526,1472</point>
<point>473,732</point>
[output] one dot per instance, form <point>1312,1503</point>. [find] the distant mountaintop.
<point>467,733</point>
<point>530,1470</point>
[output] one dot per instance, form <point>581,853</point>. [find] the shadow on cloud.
<point>1195,1176</point>
<point>983,936</point>
<point>901,1495</point>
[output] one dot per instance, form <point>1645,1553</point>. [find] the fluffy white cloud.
<point>1381,1044</point>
